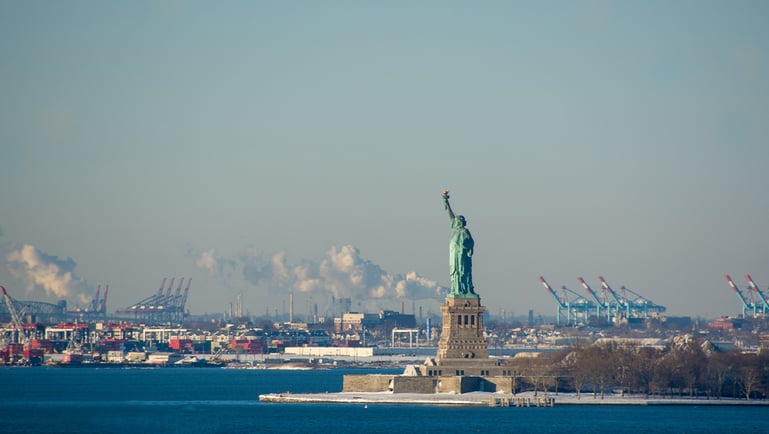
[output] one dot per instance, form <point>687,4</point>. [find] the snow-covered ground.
<point>484,398</point>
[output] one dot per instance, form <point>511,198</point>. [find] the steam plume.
<point>54,275</point>
<point>210,261</point>
<point>340,272</point>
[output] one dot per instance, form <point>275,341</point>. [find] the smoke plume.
<point>340,272</point>
<point>54,275</point>
<point>213,263</point>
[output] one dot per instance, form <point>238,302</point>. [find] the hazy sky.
<point>262,146</point>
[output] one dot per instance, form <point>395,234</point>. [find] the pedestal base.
<point>462,333</point>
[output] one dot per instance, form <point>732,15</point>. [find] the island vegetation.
<point>688,368</point>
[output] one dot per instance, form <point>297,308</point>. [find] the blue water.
<point>210,400</point>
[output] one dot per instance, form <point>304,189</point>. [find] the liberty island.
<point>462,363</point>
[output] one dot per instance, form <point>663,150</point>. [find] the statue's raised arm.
<point>446,203</point>
<point>460,254</point>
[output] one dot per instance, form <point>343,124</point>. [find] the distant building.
<point>726,324</point>
<point>764,342</point>
<point>390,319</point>
<point>249,342</point>
<point>354,321</point>
<point>115,357</point>
<point>164,358</point>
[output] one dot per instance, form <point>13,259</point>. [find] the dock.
<point>466,399</point>
<point>491,399</point>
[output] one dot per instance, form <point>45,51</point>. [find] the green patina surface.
<point>461,249</point>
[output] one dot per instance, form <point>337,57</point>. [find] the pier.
<point>464,399</point>
<point>521,401</point>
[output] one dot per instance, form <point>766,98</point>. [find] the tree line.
<point>691,369</point>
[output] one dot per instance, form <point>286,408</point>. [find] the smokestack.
<point>403,307</point>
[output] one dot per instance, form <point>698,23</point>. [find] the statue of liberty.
<point>460,254</point>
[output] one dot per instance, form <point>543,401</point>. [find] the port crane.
<point>148,305</point>
<point>99,304</point>
<point>180,305</point>
<point>621,302</point>
<point>580,305</point>
<point>95,301</point>
<point>178,294</point>
<point>761,295</point>
<point>96,308</point>
<point>576,308</point>
<point>165,305</point>
<point>746,306</point>
<point>16,323</point>
<point>639,304</point>
<point>562,304</point>
<point>103,306</point>
<point>599,303</point>
<point>161,302</point>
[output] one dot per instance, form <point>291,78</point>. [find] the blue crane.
<point>562,304</point>
<point>755,288</point>
<point>576,308</point>
<point>579,305</point>
<point>599,303</point>
<point>640,304</point>
<point>621,302</point>
<point>746,306</point>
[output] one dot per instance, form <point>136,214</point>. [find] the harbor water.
<point>213,400</point>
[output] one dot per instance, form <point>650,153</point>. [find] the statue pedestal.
<point>462,333</point>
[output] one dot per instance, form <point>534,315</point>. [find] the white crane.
<point>15,316</point>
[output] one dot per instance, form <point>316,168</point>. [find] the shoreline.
<point>484,399</point>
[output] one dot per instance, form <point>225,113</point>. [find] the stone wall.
<point>419,384</point>
<point>500,384</point>
<point>366,383</point>
<point>467,384</point>
<point>414,384</point>
<point>449,384</point>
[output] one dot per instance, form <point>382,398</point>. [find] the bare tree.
<point>687,364</point>
<point>719,367</point>
<point>577,363</point>
<point>601,365</point>
<point>642,367</point>
<point>749,376</point>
